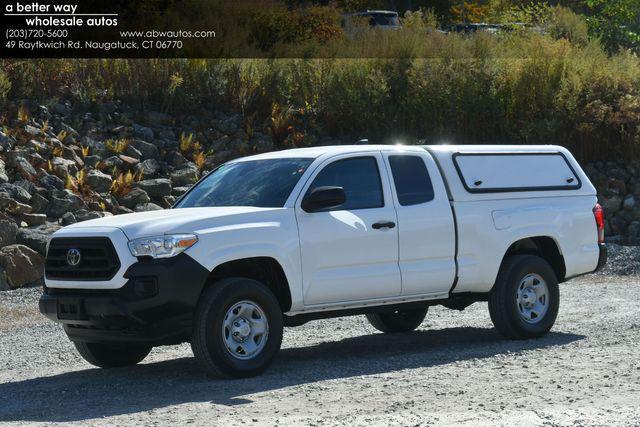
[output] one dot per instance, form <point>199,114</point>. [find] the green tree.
<point>616,22</point>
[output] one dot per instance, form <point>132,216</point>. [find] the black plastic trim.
<point>515,189</point>
<point>602,257</point>
<point>155,305</point>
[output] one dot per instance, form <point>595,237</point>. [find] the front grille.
<point>98,259</point>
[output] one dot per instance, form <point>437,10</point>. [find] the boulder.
<point>121,210</point>
<point>187,174</point>
<point>70,154</point>
<point>98,181</point>
<point>51,182</point>
<point>64,202</point>
<point>145,207</point>
<point>628,203</point>
<point>9,205</point>
<point>146,149</point>
<point>8,232</point>
<point>39,147</point>
<point>6,142</point>
<point>36,238</point>
<point>34,219</point>
<point>61,109</point>
<point>24,168</point>
<point>132,151</point>
<point>17,192</point>
<point>111,162</point>
<point>68,219</point>
<point>32,130</point>
<point>22,265</point>
<point>25,189</point>
<point>168,201</point>
<point>148,168</point>
<point>142,132</point>
<point>92,160</point>
<point>155,187</point>
<point>175,159</point>
<point>179,191</point>
<point>128,162</point>
<point>33,239</point>
<point>39,203</point>
<point>612,204</point>
<point>97,148</point>
<point>3,172</point>
<point>134,197</point>
<point>229,125</point>
<point>64,167</point>
<point>86,215</point>
<point>618,225</point>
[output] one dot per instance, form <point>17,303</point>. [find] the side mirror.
<point>322,198</point>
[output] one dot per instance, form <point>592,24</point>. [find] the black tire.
<point>397,321</point>
<point>116,355</point>
<point>208,340</point>
<point>503,302</point>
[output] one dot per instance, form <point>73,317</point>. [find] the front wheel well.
<point>543,246</point>
<point>265,270</point>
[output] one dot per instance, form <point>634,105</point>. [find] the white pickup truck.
<point>282,238</point>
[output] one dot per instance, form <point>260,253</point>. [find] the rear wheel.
<point>398,320</point>
<point>238,328</point>
<point>525,298</point>
<point>115,355</point>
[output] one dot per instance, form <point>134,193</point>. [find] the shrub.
<point>5,86</point>
<point>413,84</point>
<point>564,23</point>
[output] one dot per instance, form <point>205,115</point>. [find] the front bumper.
<point>155,305</point>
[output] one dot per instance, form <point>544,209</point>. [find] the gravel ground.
<point>454,370</point>
<point>624,260</point>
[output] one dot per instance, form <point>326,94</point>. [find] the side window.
<point>360,179</point>
<point>411,179</point>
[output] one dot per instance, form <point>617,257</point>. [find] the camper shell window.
<point>510,172</point>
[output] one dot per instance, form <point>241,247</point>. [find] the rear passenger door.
<point>425,224</point>
<point>346,254</point>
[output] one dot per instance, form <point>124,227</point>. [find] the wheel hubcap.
<point>532,298</point>
<point>245,330</point>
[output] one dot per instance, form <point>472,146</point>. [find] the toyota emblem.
<point>73,257</point>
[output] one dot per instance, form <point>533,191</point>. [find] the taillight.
<point>598,213</point>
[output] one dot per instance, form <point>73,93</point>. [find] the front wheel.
<point>397,321</point>
<point>115,355</point>
<point>237,329</point>
<point>525,298</point>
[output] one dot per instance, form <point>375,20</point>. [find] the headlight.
<point>162,246</point>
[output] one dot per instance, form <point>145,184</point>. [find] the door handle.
<point>383,224</point>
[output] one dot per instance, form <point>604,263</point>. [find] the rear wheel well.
<point>265,270</point>
<point>544,247</point>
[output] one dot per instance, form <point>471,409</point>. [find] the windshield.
<point>259,183</point>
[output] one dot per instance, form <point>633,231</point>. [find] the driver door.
<point>347,255</point>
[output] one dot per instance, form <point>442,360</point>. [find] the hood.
<point>183,220</point>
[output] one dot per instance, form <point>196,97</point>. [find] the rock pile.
<point>66,163</point>
<point>70,162</point>
<point>618,186</point>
